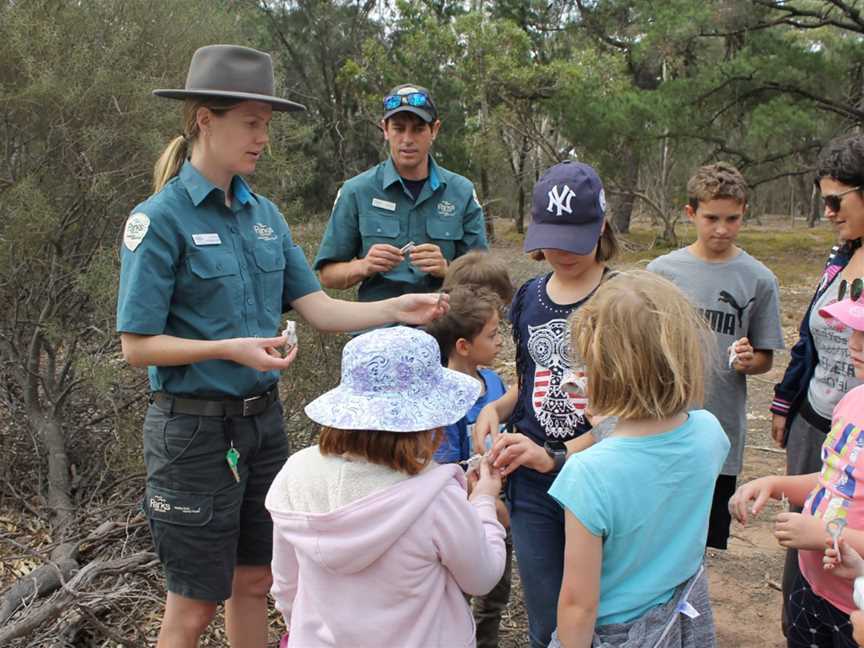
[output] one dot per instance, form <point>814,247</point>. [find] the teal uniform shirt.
<point>375,207</point>
<point>193,268</point>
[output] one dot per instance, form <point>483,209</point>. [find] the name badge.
<point>384,204</point>
<point>207,239</point>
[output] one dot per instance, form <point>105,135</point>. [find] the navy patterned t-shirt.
<point>545,410</point>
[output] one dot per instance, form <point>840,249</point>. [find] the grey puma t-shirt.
<point>738,298</point>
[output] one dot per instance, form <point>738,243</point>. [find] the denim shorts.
<point>203,521</point>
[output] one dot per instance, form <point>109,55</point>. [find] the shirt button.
<point>233,229</point>
<point>446,233</point>
<point>250,301</point>
<point>379,229</point>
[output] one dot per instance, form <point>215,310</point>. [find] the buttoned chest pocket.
<point>214,289</point>
<point>270,266</point>
<point>445,231</point>
<point>378,227</point>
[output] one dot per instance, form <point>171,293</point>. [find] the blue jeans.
<point>537,525</point>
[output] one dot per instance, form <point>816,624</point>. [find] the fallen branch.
<point>67,595</point>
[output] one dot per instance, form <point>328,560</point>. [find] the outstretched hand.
<point>418,308</point>
<point>757,491</point>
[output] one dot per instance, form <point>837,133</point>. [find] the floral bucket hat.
<point>393,381</point>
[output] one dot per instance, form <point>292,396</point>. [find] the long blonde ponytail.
<point>178,150</point>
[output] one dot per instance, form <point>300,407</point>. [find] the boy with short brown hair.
<point>740,299</point>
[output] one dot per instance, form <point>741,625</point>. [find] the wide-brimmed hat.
<point>392,380</point>
<point>568,209</point>
<point>232,72</point>
<point>846,311</point>
<point>414,99</point>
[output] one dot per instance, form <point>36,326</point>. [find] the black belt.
<point>813,417</point>
<point>227,407</point>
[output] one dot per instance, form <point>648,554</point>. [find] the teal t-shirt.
<point>376,207</point>
<point>194,268</point>
<point>649,499</point>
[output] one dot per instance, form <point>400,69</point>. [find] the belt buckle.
<point>247,404</point>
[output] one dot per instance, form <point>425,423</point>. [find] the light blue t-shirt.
<point>649,498</point>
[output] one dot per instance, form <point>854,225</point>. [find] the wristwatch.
<point>558,451</point>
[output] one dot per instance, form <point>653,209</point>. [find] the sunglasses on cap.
<point>833,201</point>
<point>856,287</point>
<point>415,99</point>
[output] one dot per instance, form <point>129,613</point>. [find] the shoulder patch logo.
<point>136,229</point>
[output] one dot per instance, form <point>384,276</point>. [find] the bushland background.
<point>644,91</point>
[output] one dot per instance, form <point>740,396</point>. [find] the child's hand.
<point>847,563</point>
<point>758,490</point>
<point>486,425</point>
<point>799,531</point>
<point>515,449</point>
<point>744,356</point>
<point>489,482</point>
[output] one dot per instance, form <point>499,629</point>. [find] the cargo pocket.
<point>178,507</point>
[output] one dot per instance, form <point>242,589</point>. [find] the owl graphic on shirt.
<point>557,410</point>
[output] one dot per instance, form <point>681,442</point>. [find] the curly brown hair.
<point>713,181</point>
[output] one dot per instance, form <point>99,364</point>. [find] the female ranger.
<point>207,268</point>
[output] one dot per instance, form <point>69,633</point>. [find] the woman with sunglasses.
<point>396,227</point>
<point>820,371</point>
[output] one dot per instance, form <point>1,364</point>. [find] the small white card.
<point>687,609</point>
<point>384,204</point>
<point>207,239</point>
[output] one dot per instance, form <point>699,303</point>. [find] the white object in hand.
<point>835,528</point>
<point>406,249</point>
<point>290,334</point>
<point>732,356</point>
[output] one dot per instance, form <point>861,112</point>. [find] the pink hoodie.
<point>387,568</point>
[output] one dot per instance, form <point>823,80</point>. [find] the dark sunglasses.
<point>415,99</point>
<point>857,287</point>
<point>833,201</point>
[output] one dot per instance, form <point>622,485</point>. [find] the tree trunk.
<point>60,503</point>
<point>623,205</point>
<point>487,215</point>
<point>815,209</point>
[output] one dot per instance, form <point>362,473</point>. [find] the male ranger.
<point>396,227</point>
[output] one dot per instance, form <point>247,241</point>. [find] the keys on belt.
<point>227,407</point>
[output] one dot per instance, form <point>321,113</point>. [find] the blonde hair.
<point>171,160</point>
<point>644,348</point>
<point>407,452</point>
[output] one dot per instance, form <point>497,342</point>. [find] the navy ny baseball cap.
<point>567,209</point>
